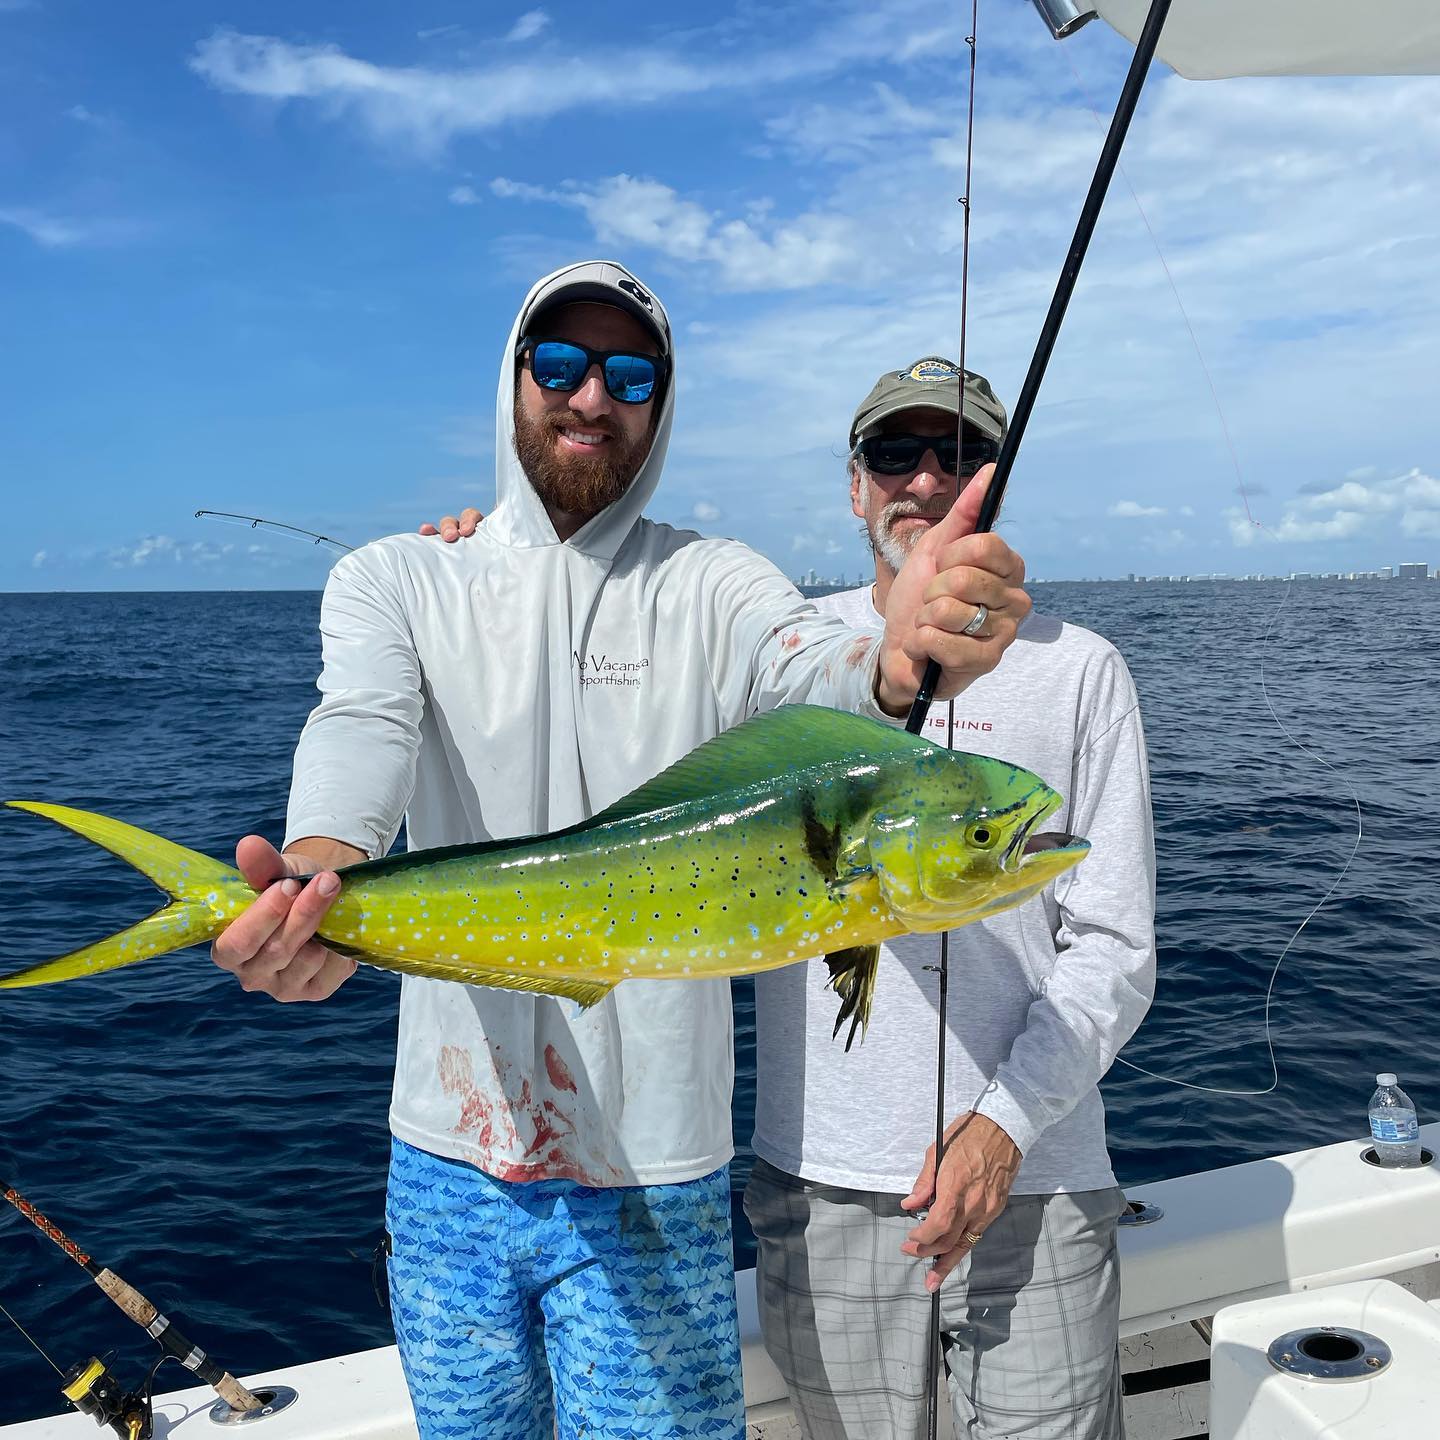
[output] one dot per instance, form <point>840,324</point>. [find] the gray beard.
<point>884,542</point>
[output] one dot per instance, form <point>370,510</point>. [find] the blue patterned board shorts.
<point>517,1304</point>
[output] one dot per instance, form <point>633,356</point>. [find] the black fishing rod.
<point>255,521</point>
<point>90,1386</point>
<point>1064,288</point>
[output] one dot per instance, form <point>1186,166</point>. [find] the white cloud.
<point>1132,509</point>
<point>425,107</point>
<point>464,195</point>
<point>818,544</point>
<point>746,254</point>
<point>1352,510</point>
<point>1421,524</point>
<point>165,549</point>
<point>528,26</point>
<point>706,513</point>
<point>1354,496</point>
<point>43,229</point>
<point>39,559</point>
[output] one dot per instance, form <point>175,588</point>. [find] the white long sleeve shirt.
<point>510,685</point>
<point>1041,997</point>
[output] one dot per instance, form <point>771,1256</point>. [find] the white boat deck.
<point>1294,1223</point>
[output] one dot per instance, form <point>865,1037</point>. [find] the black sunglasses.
<point>900,454</point>
<point>563,365</point>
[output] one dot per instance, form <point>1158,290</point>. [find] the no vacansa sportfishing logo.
<point>600,669</point>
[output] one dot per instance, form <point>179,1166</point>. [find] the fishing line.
<point>1314,910</point>
<point>1264,646</point>
<point>32,1340</point>
<point>919,711</point>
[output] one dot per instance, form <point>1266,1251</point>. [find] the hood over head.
<point>519,518</point>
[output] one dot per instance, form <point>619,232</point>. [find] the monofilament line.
<point>1314,910</point>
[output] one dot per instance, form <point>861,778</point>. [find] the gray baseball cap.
<point>931,383</point>
<point>606,283</point>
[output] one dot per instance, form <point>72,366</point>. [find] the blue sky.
<point>264,259</point>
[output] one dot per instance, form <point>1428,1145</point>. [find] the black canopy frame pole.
<point>1064,288</point>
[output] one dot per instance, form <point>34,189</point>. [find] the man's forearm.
<point>324,853</point>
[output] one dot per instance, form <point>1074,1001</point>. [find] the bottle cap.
<point>1385,1078</point>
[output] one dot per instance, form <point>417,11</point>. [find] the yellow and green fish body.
<point>802,832</point>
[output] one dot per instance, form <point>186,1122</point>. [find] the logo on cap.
<point>930,369</point>
<point>631,288</point>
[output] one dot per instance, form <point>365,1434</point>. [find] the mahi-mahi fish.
<point>801,832</point>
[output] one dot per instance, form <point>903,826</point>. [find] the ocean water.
<point>227,1155</point>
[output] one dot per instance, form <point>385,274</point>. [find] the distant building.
<point>1418,570</point>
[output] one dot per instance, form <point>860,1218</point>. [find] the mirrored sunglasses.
<point>562,365</point>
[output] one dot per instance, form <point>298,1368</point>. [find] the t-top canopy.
<point>1214,39</point>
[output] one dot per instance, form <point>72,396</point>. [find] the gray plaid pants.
<point>1029,1320</point>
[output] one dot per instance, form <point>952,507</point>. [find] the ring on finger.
<point>981,615</point>
<point>971,1238</point>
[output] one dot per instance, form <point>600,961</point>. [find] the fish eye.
<point>981,835</point>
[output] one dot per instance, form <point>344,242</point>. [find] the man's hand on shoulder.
<point>948,576</point>
<point>450,529</point>
<point>272,946</point>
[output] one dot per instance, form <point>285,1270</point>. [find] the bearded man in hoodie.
<point>559,1197</point>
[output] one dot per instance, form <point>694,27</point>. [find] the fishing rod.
<point>1064,289</point>
<point>995,494</point>
<point>90,1386</point>
<point>255,521</point>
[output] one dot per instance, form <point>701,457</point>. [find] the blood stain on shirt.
<point>477,1114</point>
<point>556,1069</point>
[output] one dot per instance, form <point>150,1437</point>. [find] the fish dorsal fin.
<point>755,752</point>
<point>761,750</point>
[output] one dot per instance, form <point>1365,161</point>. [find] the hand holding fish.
<point>938,592</point>
<point>272,946</point>
<point>975,1177</point>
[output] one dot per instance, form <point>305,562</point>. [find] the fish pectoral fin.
<point>852,978</point>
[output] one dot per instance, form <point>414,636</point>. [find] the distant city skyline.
<point>1410,570</point>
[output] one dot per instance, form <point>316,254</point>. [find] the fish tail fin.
<point>204,896</point>
<point>852,978</point>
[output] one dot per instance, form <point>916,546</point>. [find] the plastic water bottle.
<point>1393,1125</point>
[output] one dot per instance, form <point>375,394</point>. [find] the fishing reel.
<point>94,1391</point>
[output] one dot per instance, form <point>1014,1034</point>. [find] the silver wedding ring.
<point>982,614</point>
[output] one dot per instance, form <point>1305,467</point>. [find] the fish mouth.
<point>1025,842</point>
<point>1039,844</point>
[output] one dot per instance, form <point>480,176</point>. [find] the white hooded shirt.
<point>511,684</point>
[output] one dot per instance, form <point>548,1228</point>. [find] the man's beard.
<point>575,484</point>
<point>892,548</point>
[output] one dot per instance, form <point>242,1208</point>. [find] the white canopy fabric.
<point>1213,39</point>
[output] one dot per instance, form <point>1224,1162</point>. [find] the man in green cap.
<point>1025,1207</point>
